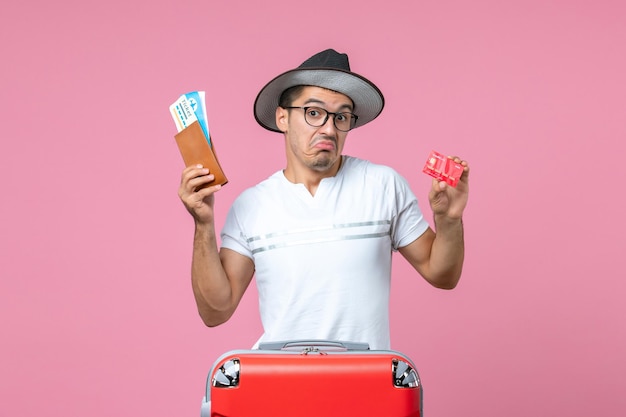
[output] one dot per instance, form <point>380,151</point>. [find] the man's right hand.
<point>199,203</point>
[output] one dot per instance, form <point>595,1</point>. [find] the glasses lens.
<point>315,116</point>
<point>344,121</point>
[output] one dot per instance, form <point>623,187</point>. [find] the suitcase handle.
<point>318,345</point>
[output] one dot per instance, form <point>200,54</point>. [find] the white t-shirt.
<point>323,262</point>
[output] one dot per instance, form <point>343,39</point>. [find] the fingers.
<point>450,200</point>
<point>195,175</point>
<point>437,187</point>
<point>462,162</point>
<point>193,178</point>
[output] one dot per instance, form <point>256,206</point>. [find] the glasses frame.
<point>328,113</point>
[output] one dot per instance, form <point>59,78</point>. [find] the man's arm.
<point>219,279</point>
<point>439,256</point>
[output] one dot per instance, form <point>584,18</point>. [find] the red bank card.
<point>443,168</point>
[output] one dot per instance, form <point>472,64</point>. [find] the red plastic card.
<point>443,168</point>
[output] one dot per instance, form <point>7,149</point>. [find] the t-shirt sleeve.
<point>409,222</point>
<point>232,235</point>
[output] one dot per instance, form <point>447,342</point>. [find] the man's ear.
<point>282,119</point>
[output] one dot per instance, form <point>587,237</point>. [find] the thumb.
<point>439,186</point>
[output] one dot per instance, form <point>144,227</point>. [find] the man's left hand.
<point>449,201</point>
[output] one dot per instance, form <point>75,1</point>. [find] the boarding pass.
<point>188,108</point>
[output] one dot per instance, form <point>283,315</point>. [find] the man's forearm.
<point>210,283</point>
<point>448,252</point>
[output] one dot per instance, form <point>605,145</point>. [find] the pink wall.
<point>97,313</point>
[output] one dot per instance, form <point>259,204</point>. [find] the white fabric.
<point>323,262</point>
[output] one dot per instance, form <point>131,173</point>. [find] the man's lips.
<point>325,145</point>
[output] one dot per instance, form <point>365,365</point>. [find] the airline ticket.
<point>188,108</point>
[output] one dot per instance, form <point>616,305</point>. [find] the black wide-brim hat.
<point>328,69</point>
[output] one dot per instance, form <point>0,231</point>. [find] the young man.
<point>319,235</point>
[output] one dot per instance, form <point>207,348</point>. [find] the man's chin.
<point>323,162</point>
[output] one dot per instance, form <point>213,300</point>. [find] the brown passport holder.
<point>195,149</point>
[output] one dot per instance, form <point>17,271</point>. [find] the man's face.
<point>318,148</point>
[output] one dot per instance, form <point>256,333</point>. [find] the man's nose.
<point>330,124</point>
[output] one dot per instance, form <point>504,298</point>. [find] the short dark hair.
<point>290,95</point>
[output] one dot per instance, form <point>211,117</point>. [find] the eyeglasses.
<point>316,117</point>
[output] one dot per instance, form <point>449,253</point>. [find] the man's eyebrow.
<point>320,102</point>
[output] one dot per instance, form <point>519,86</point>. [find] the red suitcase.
<point>313,378</point>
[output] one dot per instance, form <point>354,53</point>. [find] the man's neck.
<point>309,177</point>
